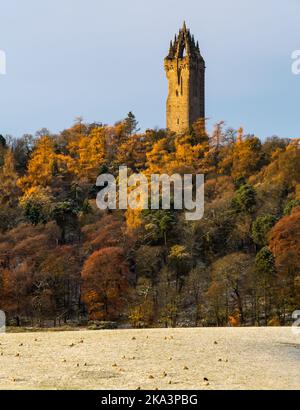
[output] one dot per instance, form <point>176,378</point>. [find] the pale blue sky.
<point>100,59</point>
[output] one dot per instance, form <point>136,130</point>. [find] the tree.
<point>65,215</point>
<point>37,204</point>
<point>284,242</point>
<point>131,124</point>
<point>106,283</point>
<point>248,157</point>
<point>180,263</point>
<point>149,261</point>
<point>103,232</point>
<point>3,148</point>
<point>22,148</point>
<point>169,298</point>
<point>159,156</point>
<point>132,152</point>
<point>57,283</point>
<point>273,144</point>
<point>199,131</point>
<point>88,154</point>
<point>261,227</point>
<point>43,132</point>
<point>284,170</point>
<point>244,199</point>
<point>217,137</point>
<point>290,206</point>
<point>9,191</point>
<point>265,262</point>
<point>46,166</point>
<point>22,251</point>
<point>196,285</point>
<point>15,298</point>
<point>230,276</point>
<point>158,224</point>
<point>264,285</point>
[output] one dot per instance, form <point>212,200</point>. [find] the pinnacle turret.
<point>184,44</point>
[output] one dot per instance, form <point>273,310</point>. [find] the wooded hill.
<point>64,260</point>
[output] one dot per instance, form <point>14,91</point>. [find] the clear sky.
<point>100,59</point>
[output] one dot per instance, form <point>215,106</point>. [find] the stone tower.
<point>185,69</point>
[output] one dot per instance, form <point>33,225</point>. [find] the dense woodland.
<point>62,260</point>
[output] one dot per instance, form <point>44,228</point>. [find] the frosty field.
<point>202,358</point>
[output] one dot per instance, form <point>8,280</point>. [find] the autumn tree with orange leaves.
<point>285,246</point>
<point>106,283</point>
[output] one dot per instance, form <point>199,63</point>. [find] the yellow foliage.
<point>88,154</point>
<point>133,219</point>
<point>38,194</point>
<point>8,181</point>
<point>44,165</point>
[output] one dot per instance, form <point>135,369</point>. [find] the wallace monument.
<point>185,69</point>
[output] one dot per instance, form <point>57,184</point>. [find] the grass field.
<point>214,358</point>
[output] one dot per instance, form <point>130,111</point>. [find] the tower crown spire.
<point>184,45</point>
